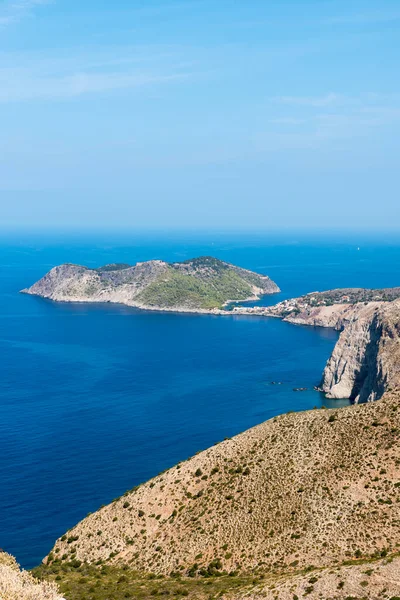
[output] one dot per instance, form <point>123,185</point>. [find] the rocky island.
<point>203,284</point>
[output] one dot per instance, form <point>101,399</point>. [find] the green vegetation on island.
<point>211,291</point>
<point>204,283</point>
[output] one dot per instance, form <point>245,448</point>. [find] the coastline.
<point>145,308</point>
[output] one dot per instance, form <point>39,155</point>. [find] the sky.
<point>236,114</point>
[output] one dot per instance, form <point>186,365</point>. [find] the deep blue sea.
<point>97,398</point>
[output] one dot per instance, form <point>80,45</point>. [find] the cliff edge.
<point>366,359</point>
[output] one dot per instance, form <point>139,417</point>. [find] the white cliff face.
<point>366,359</point>
<point>73,283</point>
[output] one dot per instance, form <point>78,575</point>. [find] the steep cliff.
<point>366,359</point>
<point>200,284</point>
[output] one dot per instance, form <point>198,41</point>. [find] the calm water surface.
<point>95,399</point>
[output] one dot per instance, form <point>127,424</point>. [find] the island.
<point>203,284</point>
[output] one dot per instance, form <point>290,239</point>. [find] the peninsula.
<point>203,284</point>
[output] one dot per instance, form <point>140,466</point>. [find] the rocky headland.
<point>203,284</point>
<point>366,359</point>
<point>333,308</point>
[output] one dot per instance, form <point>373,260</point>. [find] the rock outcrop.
<point>198,285</point>
<point>21,585</point>
<point>366,359</point>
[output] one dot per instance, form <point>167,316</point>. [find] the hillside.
<point>196,285</point>
<point>355,579</point>
<point>315,488</point>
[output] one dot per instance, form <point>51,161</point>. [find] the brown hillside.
<point>311,488</point>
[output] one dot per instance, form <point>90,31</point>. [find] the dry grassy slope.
<point>302,489</point>
<point>20,585</point>
<point>379,580</point>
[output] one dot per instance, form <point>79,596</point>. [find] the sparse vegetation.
<point>89,582</point>
<point>290,492</point>
<point>202,283</point>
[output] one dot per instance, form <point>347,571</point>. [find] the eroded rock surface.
<point>366,359</point>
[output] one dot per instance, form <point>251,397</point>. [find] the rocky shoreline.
<point>366,359</point>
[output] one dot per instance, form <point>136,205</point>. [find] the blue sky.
<point>200,114</point>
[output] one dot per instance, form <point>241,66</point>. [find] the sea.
<point>95,399</point>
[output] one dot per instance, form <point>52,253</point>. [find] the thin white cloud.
<point>18,86</point>
<point>13,11</point>
<point>66,75</point>
<point>363,18</point>
<point>329,99</point>
<point>318,121</point>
